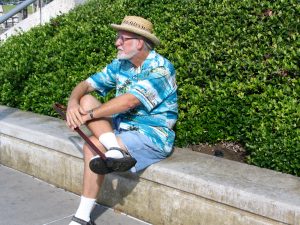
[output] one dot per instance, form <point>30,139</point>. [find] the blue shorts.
<point>141,148</point>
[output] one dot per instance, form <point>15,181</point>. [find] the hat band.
<point>135,24</point>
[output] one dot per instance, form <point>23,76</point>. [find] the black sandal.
<point>82,222</point>
<point>98,165</point>
<point>108,165</point>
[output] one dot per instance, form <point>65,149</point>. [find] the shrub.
<point>237,68</point>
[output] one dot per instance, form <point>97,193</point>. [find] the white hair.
<point>148,45</point>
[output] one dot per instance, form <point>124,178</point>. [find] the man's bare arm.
<point>121,103</point>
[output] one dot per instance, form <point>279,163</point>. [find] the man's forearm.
<point>116,105</point>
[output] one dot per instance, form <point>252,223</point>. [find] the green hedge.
<point>237,68</point>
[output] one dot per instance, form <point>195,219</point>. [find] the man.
<point>138,122</point>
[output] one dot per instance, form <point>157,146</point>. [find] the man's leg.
<point>91,182</point>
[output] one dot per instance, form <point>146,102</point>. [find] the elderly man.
<point>136,125</point>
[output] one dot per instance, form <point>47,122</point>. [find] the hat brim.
<point>131,29</point>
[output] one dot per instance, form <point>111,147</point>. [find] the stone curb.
<point>186,188</point>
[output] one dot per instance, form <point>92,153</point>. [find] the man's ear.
<point>140,45</point>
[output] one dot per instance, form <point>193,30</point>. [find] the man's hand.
<point>76,116</point>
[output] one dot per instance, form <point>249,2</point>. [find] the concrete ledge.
<point>187,188</point>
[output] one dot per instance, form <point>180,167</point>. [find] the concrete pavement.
<point>25,200</point>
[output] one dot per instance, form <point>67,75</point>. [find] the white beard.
<point>129,55</point>
<point>122,55</point>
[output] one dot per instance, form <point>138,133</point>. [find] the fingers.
<point>75,116</point>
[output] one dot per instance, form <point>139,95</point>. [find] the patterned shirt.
<point>154,84</point>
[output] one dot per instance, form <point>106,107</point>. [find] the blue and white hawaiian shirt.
<point>154,84</point>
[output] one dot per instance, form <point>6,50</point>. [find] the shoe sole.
<point>100,166</point>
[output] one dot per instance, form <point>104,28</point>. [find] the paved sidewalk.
<point>25,200</point>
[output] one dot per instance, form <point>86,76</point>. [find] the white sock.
<point>114,154</point>
<point>84,210</point>
<point>109,140</point>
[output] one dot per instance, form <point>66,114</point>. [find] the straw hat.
<point>138,25</point>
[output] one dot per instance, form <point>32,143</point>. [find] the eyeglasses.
<point>123,39</point>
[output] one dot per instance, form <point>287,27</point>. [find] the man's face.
<point>126,44</point>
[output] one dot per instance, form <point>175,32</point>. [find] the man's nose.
<point>118,42</point>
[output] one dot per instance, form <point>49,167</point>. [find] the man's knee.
<point>88,102</point>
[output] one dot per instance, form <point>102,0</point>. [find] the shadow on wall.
<point>115,189</point>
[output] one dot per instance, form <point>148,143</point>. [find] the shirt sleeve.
<point>155,87</point>
<point>105,80</point>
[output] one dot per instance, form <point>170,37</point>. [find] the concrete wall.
<point>187,188</point>
<point>51,10</point>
